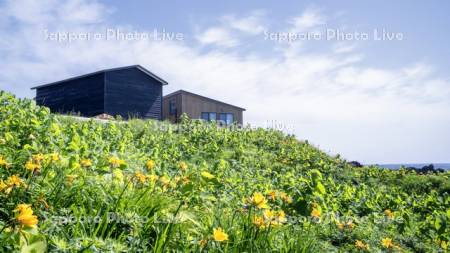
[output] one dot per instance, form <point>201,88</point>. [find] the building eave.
<point>139,67</point>
<point>203,97</point>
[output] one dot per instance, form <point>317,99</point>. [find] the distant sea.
<point>396,166</point>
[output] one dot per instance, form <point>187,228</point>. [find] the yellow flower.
<point>286,198</point>
<point>259,200</point>
<point>32,166</point>
<point>281,216</point>
<point>272,194</point>
<point>361,245</point>
<point>86,163</point>
<point>182,166</point>
<point>269,217</point>
<point>164,180</point>
<point>220,235</point>
<point>150,164</point>
<point>3,186</point>
<point>38,158</point>
<point>387,243</point>
<point>207,175</point>
<point>54,157</point>
<point>152,177</point>
<point>70,178</point>
<point>186,180</point>
<point>350,225</point>
<point>316,213</point>
<point>268,214</point>
<point>3,162</point>
<point>14,180</point>
<point>389,213</point>
<point>140,177</point>
<point>115,162</point>
<point>203,243</point>
<point>25,216</point>
<point>23,208</point>
<point>28,220</point>
<point>259,222</point>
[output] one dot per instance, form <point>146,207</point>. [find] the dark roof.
<point>139,67</point>
<point>203,97</point>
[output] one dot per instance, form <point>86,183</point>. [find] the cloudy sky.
<point>367,80</point>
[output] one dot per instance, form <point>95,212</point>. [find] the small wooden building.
<point>199,107</point>
<point>131,91</point>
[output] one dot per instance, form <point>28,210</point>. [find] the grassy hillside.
<point>71,185</point>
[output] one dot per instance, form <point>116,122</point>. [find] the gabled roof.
<point>139,67</point>
<point>203,97</point>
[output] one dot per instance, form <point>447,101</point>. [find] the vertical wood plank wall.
<point>132,93</point>
<point>83,96</point>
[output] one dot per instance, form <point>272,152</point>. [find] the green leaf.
<point>36,247</point>
<point>320,188</point>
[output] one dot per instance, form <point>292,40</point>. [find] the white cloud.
<point>217,36</point>
<point>310,18</point>
<point>251,24</point>
<point>365,113</point>
<point>82,11</point>
<point>342,48</point>
<point>231,28</point>
<point>53,11</point>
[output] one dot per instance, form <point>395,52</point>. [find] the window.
<point>230,119</point>
<point>212,116</point>
<point>209,116</point>
<point>172,108</point>
<point>223,117</point>
<point>227,118</point>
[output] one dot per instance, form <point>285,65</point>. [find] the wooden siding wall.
<point>83,96</point>
<point>166,108</point>
<point>132,93</point>
<point>193,106</point>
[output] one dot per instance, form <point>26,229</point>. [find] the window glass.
<point>209,116</point>
<point>223,117</point>
<point>172,108</point>
<point>230,118</point>
<point>205,116</point>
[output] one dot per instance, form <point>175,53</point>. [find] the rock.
<point>104,116</point>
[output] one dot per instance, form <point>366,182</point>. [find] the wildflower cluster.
<point>361,245</point>
<point>200,189</point>
<point>35,163</point>
<point>270,219</point>
<point>273,195</point>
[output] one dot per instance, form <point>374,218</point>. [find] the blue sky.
<point>425,25</point>
<point>376,101</point>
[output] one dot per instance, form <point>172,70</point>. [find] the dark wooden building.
<point>199,107</point>
<point>130,91</point>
